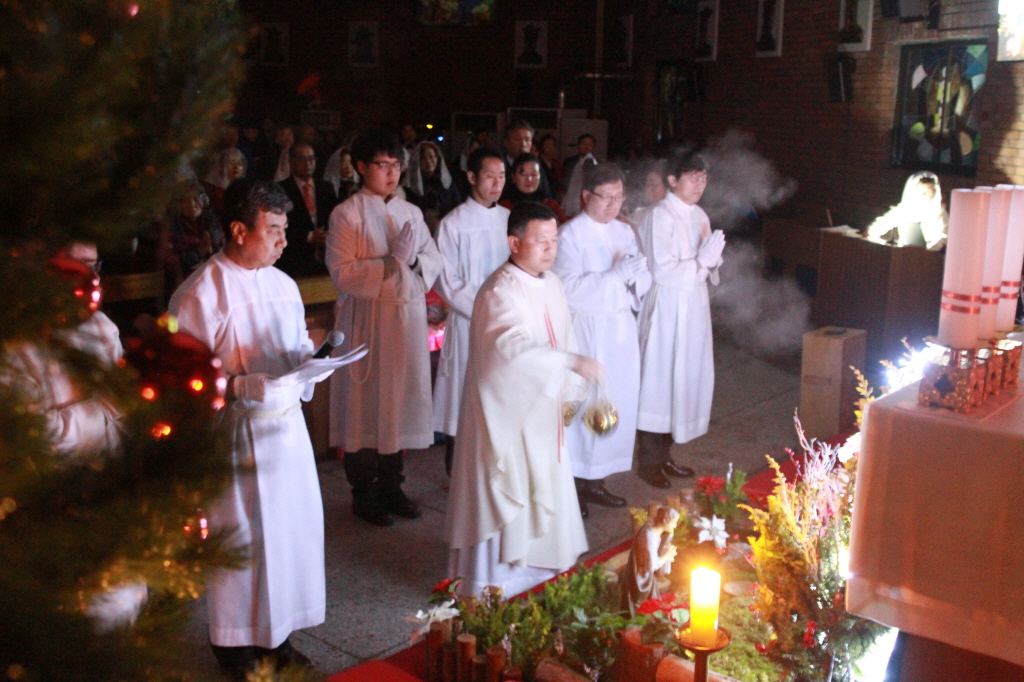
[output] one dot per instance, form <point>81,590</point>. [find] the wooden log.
<point>479,667</point>
<point>450,663</point>
<point>550,670</point>
<point>675,669</point>
<point>637,662</point>
<point>465,646</point>
<point>511,674</point>
<point>495,663</point>
<point>436,638</point>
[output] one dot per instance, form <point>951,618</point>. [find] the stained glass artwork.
<point>935,124</point>
<point>455,12</point>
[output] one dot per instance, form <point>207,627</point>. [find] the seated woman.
<point>230,166</point>
<point>919,219</point>
<point>195,233</point>
<point>550,163</point>
<point>340,172</point>
<point>525,186</point>
<point>428,183</point>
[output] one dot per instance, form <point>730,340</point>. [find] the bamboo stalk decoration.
<point>465,645</point>
<point>496,660</point>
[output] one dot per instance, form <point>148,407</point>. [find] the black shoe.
<point>287,655</point>
<point>656,478</point>
<point>373,513</point>
<point>596,493</point>
<point>400,505</point>
<point>672,469</point>
<point>237,661</point>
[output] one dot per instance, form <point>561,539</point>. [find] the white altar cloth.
<point>937,544</point>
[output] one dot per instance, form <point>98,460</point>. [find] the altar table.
<point>937,544</point>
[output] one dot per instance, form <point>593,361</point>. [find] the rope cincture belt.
<point>967,310</point>
<point>265,414</point>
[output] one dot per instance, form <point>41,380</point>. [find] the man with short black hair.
<point>513,518</point>
<point>312,201</point>
<point>251,316</point>
<point>473,243</point>
<point>586,144</point>
<point>605,278</point>
<point>383,262</point>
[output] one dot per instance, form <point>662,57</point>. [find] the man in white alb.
<point>251,315</point>
<point>382,261</point>
<point>605,278</point>
<point>473,241</point>
<point>513,519</point>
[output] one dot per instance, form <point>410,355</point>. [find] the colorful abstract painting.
<point>455,12</point>
<point>935,123</point>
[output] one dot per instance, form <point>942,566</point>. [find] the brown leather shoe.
<point>672,469</point>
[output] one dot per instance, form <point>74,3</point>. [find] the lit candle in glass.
<point>705,586</point>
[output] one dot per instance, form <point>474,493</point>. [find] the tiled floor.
<point>375,577</point>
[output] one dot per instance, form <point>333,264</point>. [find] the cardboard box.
<point>828,387</point>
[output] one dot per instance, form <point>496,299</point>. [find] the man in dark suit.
<point>313,201</point>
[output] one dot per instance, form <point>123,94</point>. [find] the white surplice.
<point>677,376</point>
<point>383,401</point>
<point>473,241</point>
<point>254,321</point>
<point>602,309</point>
<point>513,518</point>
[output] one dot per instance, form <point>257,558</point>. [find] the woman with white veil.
<point>428,181</point>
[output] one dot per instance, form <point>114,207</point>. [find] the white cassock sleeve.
<point>458,292</point>
<point>590,293</point>
<point>671,256</point>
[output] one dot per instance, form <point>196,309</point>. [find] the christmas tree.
<point>102,103</point>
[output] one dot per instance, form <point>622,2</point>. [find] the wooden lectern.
<point>893,292</point>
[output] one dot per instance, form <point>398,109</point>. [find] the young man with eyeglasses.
<point>382,261</point>
<point>605,278</point>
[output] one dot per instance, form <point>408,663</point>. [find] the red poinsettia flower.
<point>446,585</point>
<point>649,607</point>
<point>809,641</point>
<point>711,485</point>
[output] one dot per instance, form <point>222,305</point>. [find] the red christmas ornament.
<point>84,282</point>
<point>175,364</point>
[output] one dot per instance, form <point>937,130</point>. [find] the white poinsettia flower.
<point>437,614</point>
<point>850,448</point>
<point>712,529</point>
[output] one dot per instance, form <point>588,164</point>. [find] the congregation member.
<point>251,316</point>
<point>605,279</point>
<point>312,202</point>
<point>278,165</point>
<point>677,377</point>
<point>526,184</point>
<point>513,518</point>
<point>195,231</point>
<point>551,165</point>
<point>229,166</point>
<point>342,175</point>
<point>919,219</point>
<point>518,140</point>
<point>586,145</point>
<point>428,181</point>
<point>383,261</point>
<point>473,241</point>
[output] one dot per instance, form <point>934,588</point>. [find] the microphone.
<point>334,339</point>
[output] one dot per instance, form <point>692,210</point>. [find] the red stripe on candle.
<point>961,309</point>
<point>1011,284</point>
<point>990,290</point>
<point>960,297</point>
<point>1012,296</point>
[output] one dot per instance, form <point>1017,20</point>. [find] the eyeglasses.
<point>610,198</point>
<point>388,165</point>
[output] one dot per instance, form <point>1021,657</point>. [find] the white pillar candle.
<point>965,260</point>
<point>995,253</point>
<point>705,588</point>
<point>1012,263</point>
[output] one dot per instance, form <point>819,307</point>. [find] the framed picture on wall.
<point>531,44</point>
<point>855,25</point>
<point>274,44</point>
<point>707,31</point>
<point>677,84</point>
<point>769,28</point>
<point>363,43</point>
<point>455,12</point>
<point>935,127</point>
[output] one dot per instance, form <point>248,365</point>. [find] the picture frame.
<point>770,14</point>
<point>934,125</point>
<point>855,17</point>
<point>706,49</point>
<point>618,47</point>
<point>274,44</point>
<point>531,44</point>
<point>460,13</point>
<point>364,44</point>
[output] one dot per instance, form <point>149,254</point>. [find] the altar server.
<point>677,376</point>
<point>605,278</point>
<point>513,518</point>
<point>251,315</point>
<point>473,242</point>
<point>383,262</point>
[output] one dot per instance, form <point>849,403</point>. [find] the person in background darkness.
<point>195,232</point>
<point>518,140</point>
<point>428,182</point>
<point>586,144</point>
<point>527,185</point>
<point>551,165</point>
<point>342,174</point>
<point>312,201</point>
<point>230,166</point>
